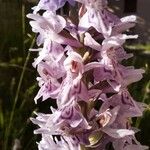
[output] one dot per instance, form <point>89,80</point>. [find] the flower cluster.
<point>80,65</point>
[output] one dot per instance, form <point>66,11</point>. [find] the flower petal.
<point>117,133</point>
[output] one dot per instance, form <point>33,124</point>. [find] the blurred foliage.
<point>18,87</point>
<point>17,82</point>
<point>143,47</point>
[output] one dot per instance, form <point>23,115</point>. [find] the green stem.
<point>138,120</point>
<point>23,27</point>
<point>16,98</point>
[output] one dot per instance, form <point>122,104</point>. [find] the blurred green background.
<point>18,84</point>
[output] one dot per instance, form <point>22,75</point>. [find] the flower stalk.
<point>80,66</point>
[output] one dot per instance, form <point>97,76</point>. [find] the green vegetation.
<point>144,47</point>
